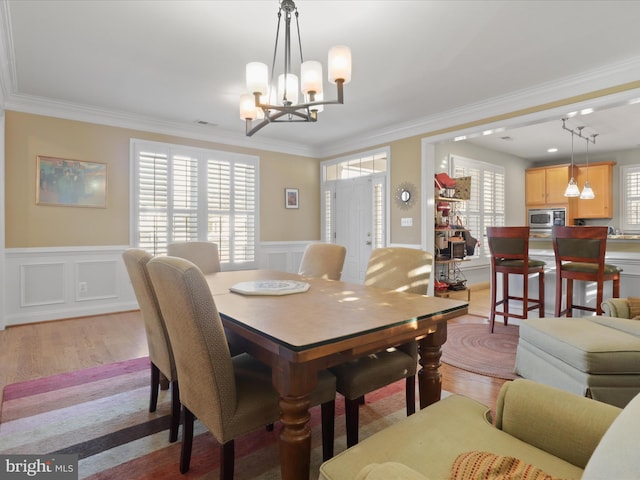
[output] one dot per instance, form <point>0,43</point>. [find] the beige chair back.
<point>207,382</point>
<point>323,260</point>
<point>203,254</point>
<point>401,269</point>
<point>160,352</point>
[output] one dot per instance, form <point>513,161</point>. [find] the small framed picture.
<point>291,198</point>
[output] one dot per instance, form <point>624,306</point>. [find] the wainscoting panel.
<point>65,282</point>
<point>283,256</point>
<point>40,284</point>
<point>96,280</point>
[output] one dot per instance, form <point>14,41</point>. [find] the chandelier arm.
<point>274,119</point>
<point>299,41</point>
<point>338,101</point>
<point>275,56</point>
<point>287,54</point>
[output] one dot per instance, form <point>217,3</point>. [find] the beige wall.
<point>405,168</point>
<point>31,225</point>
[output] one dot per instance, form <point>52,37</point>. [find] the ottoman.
<point>597,357</point>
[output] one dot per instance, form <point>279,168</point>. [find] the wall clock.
<point>405,195</point>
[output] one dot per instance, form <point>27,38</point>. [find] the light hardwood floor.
<point>42,349</point>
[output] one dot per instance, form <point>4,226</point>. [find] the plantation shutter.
<point>152,189</point>
<point>630,199</point>
<point>183,194</point>
<point>184,214</point>
<point>486,205</point>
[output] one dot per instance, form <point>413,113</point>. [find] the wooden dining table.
<point>329,324</point>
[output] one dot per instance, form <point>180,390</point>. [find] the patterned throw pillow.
<point>485,465</point>
<point>634,307</point>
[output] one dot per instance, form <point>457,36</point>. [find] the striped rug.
<point>102,415</point>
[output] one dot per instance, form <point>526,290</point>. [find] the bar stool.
<point>580,255</point>
<point>509,249</point>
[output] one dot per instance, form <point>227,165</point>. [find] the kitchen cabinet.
<point>601,180</point>
<point>546,185</point>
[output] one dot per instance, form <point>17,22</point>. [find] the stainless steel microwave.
<point>546,218</point>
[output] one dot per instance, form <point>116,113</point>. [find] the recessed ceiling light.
<point>461,137</point>
<point>552,150</point>
<point>586,111</point>
<point>571,114</point>
<point>487,132</point>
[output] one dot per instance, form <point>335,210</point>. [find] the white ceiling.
<point>416,65</point>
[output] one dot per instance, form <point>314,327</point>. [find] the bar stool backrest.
<point>580,244</point>
<point>508,243</point>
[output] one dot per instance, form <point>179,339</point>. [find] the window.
<point>187,194</point>
<point>486,207</point>
<point>630,198</point>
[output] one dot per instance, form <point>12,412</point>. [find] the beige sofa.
<point>563,434</point>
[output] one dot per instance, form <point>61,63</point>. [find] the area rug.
<point>471,347</point>
<point>101,414</point>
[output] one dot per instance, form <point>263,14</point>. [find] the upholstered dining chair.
<point>400,269</point>
<point>580,255</point>
<point>160,352</point>
<point>323,260</point>
<point>230,396</point>
<point>509,249</point>
<point>203,254</point>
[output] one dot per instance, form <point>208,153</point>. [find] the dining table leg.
<point>295,382</point>
<point>295,437</point>
<point>429,376</point>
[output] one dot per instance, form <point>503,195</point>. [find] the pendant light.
<point>587,191</point>
<point>572,188</point>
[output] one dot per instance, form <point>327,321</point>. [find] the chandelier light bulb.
<point>288,90</point>
<point>311,77</point>
<point>248,109</point>
<point>257,77</point>
<point>339,64</point>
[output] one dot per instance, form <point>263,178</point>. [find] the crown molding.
<point>609,79</point>
<point>84,113</point>
<point>7,65</point>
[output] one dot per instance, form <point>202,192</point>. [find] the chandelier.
<point>272,104</point>
<point>572,188</point>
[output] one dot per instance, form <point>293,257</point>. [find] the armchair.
<point>562,434</point>
<point>621,307</point>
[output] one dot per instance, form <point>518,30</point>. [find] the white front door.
<point>354,220</point>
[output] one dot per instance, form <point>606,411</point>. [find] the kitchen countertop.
<point>609,237</point>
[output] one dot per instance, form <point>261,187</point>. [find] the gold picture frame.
<point>71,183</point>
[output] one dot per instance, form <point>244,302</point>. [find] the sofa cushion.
<point>587,346</point>
<point>388,471</point>
<point>627,325</point>
<point>616,456</point>
<point>478,465</point>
